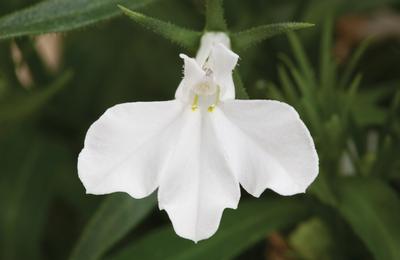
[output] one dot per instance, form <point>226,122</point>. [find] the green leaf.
<point>367,114</point>
<point>62,15</point>
<point>301,58</point>
<point>326,60</point>
<point>322,189</point>
<point>367,108</point>
<point>287,86</point>
<point>240,90</point>
<point>116,216</point>
<point>351,65</point>
<point>186,38</point>
<point>313,117</point>
<point>274,92</point>
<point>3,87</point>
<point>238,231</point>
<point>372,209</point>
<point>28,165</point>
<point>307,100</point>
<point>215,16</point>
<point>312,240</point>
<point>245,39</point>
<point>301,82</point>
<point>17,107</point>
<point>351,94</point>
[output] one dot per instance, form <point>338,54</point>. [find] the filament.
<point>195,103</point>
<point>212,107</point>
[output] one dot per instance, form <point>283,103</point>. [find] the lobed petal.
<point>197,184</point>
<point>267,145</point>
<point>137,147</point>
<point>128,146</point>
<point>192,74</point>
<point>222,61</point>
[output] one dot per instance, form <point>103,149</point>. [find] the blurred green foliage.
<point>352,211</point>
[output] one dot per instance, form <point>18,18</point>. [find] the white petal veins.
<point>197,185</point>
<point>127,147</point>
<point>267,145</point>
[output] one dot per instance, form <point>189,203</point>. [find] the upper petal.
<point>197,184</point>
<point>222,61</point>
<point>192,74</point>
<point>208,41</point>
<point>215,54</point>
<point>127,147</point>
<point>268,146</point>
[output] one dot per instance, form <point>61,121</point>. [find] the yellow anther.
<point>211,108</point>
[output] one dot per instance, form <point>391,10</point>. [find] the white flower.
<point>199,148</point>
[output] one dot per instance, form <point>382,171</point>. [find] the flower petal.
<point>192,74</point>
<point>267,145</point>
<point>197,184</point>
<point>222,61</point>
<point>127,148</point>
<point>208,41</point>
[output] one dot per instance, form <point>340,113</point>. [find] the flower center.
<point>206,88</point>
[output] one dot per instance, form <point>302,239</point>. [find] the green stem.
<point>215,16</point>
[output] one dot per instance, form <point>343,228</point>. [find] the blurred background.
<point>343,76</point>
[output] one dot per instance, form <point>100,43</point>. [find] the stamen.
<point>212,107</point>
<point>195,103</point>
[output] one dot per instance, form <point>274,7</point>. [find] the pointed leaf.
<point>354,59</point>
<point>245,39</point>
<point>62,15</point>
<point>300,79</point>
<point>366,108</point>
<point>326,60</point>
<point>240,90</point>
<point>350,96</point>
<point>239,230</point>
<point>287,86</point>
<point>116,216</point>
<point>186,38</point>
<point>301,58</point>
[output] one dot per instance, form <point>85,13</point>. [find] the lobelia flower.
<point>199,148</point>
